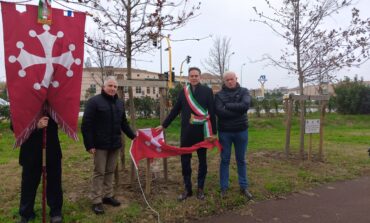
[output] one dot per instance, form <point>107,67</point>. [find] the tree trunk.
<point>297,46</point>
<point>129,77</point>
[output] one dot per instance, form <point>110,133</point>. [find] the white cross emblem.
<point>47,41</point>
<point>154,141</point>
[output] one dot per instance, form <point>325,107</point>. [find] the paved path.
<point>340,202</point>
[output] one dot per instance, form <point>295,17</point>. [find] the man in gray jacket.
<point>232,104</point>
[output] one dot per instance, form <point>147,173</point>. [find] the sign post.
<point>311,126</point>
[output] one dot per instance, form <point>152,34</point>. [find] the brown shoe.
<point>200,194</point>
<point>223,193</point>
<point>185,195</point>
<point>246,193</point>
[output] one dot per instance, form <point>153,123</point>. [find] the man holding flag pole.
<point>43,63</point>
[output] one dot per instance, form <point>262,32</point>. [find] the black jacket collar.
<point>195,87</point>
<point>108,97</point>
<point>231,89</point>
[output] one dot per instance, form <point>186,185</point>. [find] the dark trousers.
<point>202,168</point>
<point>31,175</point>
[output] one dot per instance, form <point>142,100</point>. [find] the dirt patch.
<point>292,157</point>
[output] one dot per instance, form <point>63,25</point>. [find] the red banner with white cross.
<point>150,143</point>
<point>43,66</point>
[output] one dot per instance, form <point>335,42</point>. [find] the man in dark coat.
<point>193,133</point>
<point>30,158</point>
<point>232,104</point>
<point>104,118</point>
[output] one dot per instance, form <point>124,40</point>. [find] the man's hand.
<point>159,128</point>
<point>211,139</point>
<point>43,122</point>
<point>92,151</point>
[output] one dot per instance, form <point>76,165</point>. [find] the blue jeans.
<point>240,141</point>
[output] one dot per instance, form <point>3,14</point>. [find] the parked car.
<point>4,109</point>
<point>3,102</point>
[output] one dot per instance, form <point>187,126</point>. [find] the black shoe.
<point>98,208</point>
<point>56,219</point>
<point>246,193</point>
<point>111,201</point>
<point>185,195</point>
<point>200,194</point>
<point>25,220</point>
<point>223,193</point>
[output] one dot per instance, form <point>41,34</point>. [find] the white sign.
<point>312,126</point>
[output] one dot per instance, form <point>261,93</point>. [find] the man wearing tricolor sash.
<point>198,122</point>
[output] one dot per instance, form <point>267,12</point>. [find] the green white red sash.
<point>201,116</point>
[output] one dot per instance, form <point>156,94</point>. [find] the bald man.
<point>232,104</point>
<point>104,118</point>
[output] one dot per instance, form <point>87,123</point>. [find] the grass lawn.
<point>271,174</point>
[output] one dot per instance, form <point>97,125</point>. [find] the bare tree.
<point>131,26</point>
<point>218,60</point>
<point>103,59</point>
<point>313,50</point>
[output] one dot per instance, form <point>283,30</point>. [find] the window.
<point>92,88</point>
<point>109,72</point>
<point>147,90</point>
<point>153,90</point>
<point>125,89</point>
<point>138,90</point>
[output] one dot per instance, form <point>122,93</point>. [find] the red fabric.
<point>26,60</point>
<point>150,144</point>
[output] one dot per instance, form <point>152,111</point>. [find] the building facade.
<point>92,81</point>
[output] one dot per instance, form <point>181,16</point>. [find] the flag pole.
<point>44,173</point>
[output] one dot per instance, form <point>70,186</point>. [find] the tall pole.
<point>241,74</point>
<point>182,63</point>
<point>228,63</point>
<point>187,59</point>
<point>169,62</point>
<point>160,56</point>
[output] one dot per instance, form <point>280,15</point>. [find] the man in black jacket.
<point>193,133</point>
<point>30,158</point>
<point>232,104</point>
<point>104,118</point>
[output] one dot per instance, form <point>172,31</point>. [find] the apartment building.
<point>313,90</point>
<point>92,80</point>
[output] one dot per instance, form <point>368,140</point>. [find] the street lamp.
<point>187,60</point>
<point>228,60</point>
<point>169,49</point>
<point>241,74</point>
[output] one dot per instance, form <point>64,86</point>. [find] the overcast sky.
<point>249,41</point>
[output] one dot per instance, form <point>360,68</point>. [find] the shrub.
<point>352,97</point>
<point>4,112</point>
